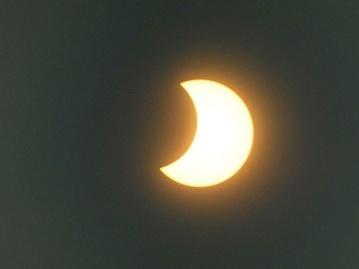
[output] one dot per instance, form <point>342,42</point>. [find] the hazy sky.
<point>91,107</point>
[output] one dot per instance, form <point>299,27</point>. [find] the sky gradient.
<point>91,108</point>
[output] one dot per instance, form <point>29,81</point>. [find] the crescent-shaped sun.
<point>223,138</point>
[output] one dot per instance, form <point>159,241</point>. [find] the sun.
<point>223,138</point>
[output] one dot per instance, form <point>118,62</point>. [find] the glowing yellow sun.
<point>223,138</point>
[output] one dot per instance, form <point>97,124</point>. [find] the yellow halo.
<point>223,139</point>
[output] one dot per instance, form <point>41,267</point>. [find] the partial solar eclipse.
<point>223,138</point>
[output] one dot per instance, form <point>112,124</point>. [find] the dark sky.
<point>91,107</point>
